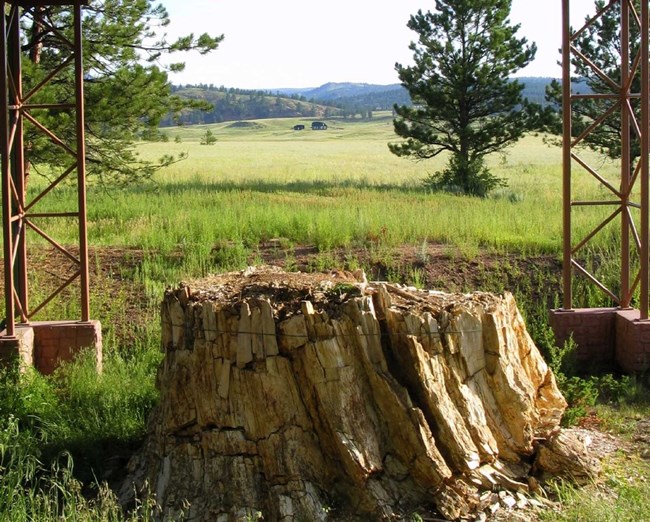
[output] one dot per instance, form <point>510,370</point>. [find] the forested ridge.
<point>230,104</point>
<point>347,100</point>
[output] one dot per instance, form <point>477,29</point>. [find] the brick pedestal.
<point>606,337</point>
<point>632,341</point>
<point>592,329</point>
<point>46,344</point>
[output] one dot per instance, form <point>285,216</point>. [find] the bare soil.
<point>441,267</point>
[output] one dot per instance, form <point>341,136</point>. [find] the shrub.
<point>471,178</point>
<point>583,393</point>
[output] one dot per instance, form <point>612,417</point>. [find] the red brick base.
<point>632,341</point>
<point>46,344</point>
<point>606,337</point>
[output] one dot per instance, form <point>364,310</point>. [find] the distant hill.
<point>355,98</point>
<point>385,96</point>
<point>229,104</point>
<point>535,88</point>
<point>337,91</point>
<point>347,100</point>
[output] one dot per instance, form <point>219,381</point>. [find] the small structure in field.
<point>319,125</point>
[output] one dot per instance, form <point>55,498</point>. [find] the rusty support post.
<point>566,157</point>
<point>645,148</point>
<point>81,165</point>
<point>6,177</point>
<point>18,162</point>
<point>625,293</point>
<point>15,107</point>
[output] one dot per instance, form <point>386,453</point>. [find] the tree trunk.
<point>319,397</point>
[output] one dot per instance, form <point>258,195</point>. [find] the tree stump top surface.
<point>325,290</point>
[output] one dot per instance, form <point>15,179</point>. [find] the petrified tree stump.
<point>319,397</point>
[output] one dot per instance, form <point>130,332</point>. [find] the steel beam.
<point>18,177</point>
<point>634,113</point>
<point>626,158</point>
<point>81,165</point>
<point>16,110</point>
<point>645,150</point>
<point>567,264</point>
<point>5,152</point>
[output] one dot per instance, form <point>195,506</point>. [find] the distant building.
<point>298,127</point>
<point>318,125</point>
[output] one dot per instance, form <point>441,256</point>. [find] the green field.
<point>327,188</point>
<point>339,192</point>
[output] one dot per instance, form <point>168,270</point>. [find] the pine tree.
<point>208,138</point>
<point>464,101</point>
<point>127,90</point>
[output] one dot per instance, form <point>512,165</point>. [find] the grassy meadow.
<point>339,190</point>
<point>333,188</point>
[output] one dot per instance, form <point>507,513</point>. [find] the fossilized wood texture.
<point>322,399</point>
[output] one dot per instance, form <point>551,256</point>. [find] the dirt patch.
<point>641,438</point>
<point>117,298</point>
<point>435,266</point>
<point>113,273</point>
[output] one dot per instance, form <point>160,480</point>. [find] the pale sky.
<point>304,43</point>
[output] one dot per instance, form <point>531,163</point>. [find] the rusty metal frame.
<point>621,202</point>
<point>17,212</point>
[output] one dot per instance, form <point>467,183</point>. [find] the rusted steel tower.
<point>621,100</point>
<point>18,108</point>
<point>617,333</point>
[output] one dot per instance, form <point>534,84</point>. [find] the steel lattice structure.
<point>18,108</point>
<point>633,110</point>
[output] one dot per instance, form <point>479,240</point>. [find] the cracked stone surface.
<point>324,397</point>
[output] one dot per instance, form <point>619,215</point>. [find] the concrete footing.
<point>45,345</point>
<point>605,337</point>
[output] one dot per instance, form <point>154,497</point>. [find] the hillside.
<point>348,95</point>
<point>229,104</point>
<point>340,91</point>
<point>349,100</point>
<point>535,88</point>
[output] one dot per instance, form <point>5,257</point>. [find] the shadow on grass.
<point>269,187</point>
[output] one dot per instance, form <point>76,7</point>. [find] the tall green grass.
<point>61,435</point>
<point>335,189</point>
